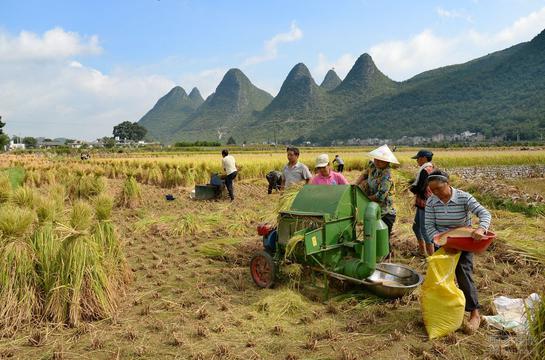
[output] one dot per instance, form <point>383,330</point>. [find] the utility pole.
<point>275,142</point>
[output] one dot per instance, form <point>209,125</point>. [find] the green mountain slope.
<point>365,80</point>
<point>299,107</point>
<point>299,97</point>
<point>233,103</point>
<point>170,112</point>
<point>331,81</point>
<point>196,97</point>
<point>499,94</point>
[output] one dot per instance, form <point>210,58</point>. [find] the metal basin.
<point>395,281</point>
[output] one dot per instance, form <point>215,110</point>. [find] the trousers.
<point>229,184</point>
<point>419,226</point>
<point>464,277</point>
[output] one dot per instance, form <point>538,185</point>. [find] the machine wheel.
<point>263,269</point>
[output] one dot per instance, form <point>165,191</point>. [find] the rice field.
<point>97,264</point>
<point>186,169</point>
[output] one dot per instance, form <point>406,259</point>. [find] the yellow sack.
<point>442,302</point>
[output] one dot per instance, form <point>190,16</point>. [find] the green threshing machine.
<point>336,230</point>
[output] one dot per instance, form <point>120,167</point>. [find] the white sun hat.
<point>383,153</point>
<point>322,160</point>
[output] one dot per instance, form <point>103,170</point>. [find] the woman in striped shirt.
<point>450,208</point>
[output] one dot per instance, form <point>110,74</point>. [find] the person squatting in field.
<point>274,178</point>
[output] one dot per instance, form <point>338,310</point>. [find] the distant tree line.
<point>197,143</point>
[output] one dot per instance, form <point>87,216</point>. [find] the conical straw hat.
<point>383,153</point>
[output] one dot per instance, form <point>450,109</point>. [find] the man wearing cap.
<point>325,175</point>
<point>422,192</point>
<point>294,172</point>
<point>377,183</point>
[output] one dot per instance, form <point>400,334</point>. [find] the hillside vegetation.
<point>500,95</point>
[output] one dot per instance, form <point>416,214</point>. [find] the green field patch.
<point>16,176</point>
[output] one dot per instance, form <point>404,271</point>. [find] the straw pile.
<point>56,265</point>
<point>131,194</point>
<point>282,302</point>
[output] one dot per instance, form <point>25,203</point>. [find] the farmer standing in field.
<point>325,175</point>
<point>377,183</point>
<point>422,192</point>
<point>230,169</point>
<point>340,163</point>
<point>294,172</point>
<point>450,208</point>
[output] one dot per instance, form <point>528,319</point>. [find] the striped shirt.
<point>455,213</point>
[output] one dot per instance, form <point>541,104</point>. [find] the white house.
<point>16,146</point>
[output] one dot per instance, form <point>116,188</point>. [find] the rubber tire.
<point>263,258</point>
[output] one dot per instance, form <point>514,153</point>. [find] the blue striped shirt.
<point>455,213</point>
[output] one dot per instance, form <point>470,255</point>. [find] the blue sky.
<point>77,68</point>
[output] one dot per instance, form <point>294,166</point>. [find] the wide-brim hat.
<point>322,160</point>
<point>383,153</point>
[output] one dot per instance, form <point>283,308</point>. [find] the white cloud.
<point>75,64</point>
<point>53,44</point>
<point>271,45</point>
<point>206,81</point>
<point>74,101</point>
<point>401,59</point>
<point>523,29</point>
<point>454,14</point>
<point>341,66</point>
<point>43,92</point>
<point>422,52</point>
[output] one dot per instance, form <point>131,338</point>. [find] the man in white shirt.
<point>230,169</point>
<point>294,172</point>
<point>340,163</point>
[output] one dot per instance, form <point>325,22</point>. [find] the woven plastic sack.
<point>441,301</point>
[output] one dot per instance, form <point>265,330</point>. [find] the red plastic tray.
<point>467,243</point>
